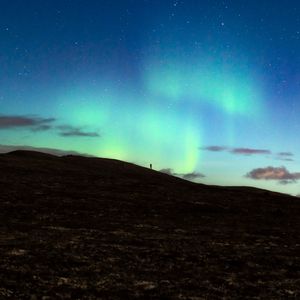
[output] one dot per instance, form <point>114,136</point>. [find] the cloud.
<point>36,124</point>
<point>249,151</point>
<point>280,174</point>
<point>42,128</point>
<point>70,131</point>
<point>285,159</point>
<point>192,176</point>
<point>168,171</point>
<point>33,123</point>
<point>187,176</point>
<point>245,151</point>
<point>285,182</point>
<point>214,148</point>
<point>57,152</point>
<point>285,154</point>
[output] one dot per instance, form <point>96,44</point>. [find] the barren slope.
<point>86,228</point>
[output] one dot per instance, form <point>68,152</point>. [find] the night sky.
<point>205,90</point>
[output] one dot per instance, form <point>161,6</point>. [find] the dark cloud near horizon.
<point>245,151</point>
<point>168,171</point>
<point>57,152</point>
<point>37,124</point>
<point>187,176</point>
<point>214,148</point>
<point>70,131</point>
<point>289,154</point>
<point>285,182</point>
<point>42,128</point>
<point>192,176</point>
<point>249,151</point>
<point>285,159</point>
<point>30,122</point>
<point>286,156</point>
<point>280,174</point>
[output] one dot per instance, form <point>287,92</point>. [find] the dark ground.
<point>85,228</point>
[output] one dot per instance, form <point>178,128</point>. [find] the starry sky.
<point>204,90</point>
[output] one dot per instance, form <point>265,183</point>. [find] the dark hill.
<point>29,154</point>
<point>89,228</point>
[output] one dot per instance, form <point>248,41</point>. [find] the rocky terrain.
<point>86,228</point>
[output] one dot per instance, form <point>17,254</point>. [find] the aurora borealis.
<point>193,87</point>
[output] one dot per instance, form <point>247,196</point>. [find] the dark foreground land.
<point>85,228</point>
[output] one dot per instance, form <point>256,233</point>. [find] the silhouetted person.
<point>151,166</point>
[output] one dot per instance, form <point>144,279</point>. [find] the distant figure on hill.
<point>151,166</point>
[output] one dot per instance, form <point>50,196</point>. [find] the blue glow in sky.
<point>208,88</point>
